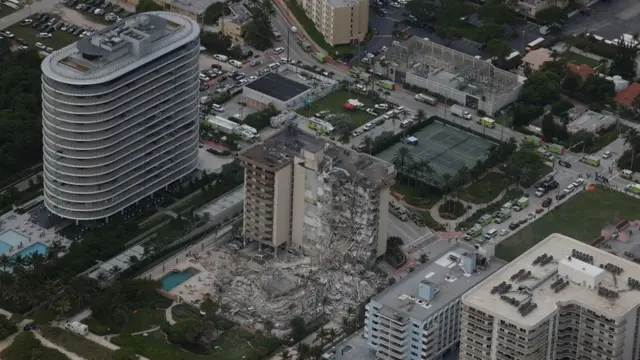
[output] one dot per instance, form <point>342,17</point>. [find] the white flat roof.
<point>540,280</point>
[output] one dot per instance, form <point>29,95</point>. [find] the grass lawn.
<point>417,197</point>
<point>579,59</point>
<point>234,344</point>
<point>581,217</point>
<point>76,344</point>
<point>143,319</point>
<point>25,344</point>
<point>485,189</point>
<point>334,103</point>
<point>59,40</point>
<point>6,11</point>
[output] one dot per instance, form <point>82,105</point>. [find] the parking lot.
<point>607,19</point>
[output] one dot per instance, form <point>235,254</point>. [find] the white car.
<point>396,5</point>
<point>278,50</point>
<point>49,49</point>
<point>389,114</point>
<point>253,78</point>
<point>371,112</point>
<point>40,46</point>
<point>356,132</point>
<point>569,189</point>
<point>577,182</point>
<point>503,232</point>
<point>368,126</point>
<point>7,34</point>
<point>381,106</point>
<point>283,60</point>
<point>531,215</point>
<point>243,81</point>
<point>217,108</point>
<point>607,154</point>
<point>384,48</point>
<point>204,77</point>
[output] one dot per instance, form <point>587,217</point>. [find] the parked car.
<point>547,202</point>
<point>539,210</point>
<point>564,163</point>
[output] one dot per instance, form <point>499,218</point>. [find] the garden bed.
<point>452,209</point>
<point>485,189</point>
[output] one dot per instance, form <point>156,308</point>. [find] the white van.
<point>273,66</point>
<point>235,63</point>
<point>279,50</point>
<point>222,58</point>
<point>491,234</point>
<point>406,123</point>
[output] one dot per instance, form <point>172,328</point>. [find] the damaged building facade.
<point>313,195</point>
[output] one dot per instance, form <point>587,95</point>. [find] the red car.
<point>539,210</point>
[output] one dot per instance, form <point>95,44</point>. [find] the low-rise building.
<point>627,96</point>
<point>591,121</point>
<point>233,25</point>
<point>530,8</point>
<point>419,317</point>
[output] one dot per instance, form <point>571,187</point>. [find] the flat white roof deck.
<point>537,286</point>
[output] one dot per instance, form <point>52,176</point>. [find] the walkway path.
<point>451,224</point>
<point>169,314</point>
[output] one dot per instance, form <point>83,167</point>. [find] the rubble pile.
<point>286,287</point>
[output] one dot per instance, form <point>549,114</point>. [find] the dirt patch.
<point>77,18</point>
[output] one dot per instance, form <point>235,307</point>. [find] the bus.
<point>513,55</point>
<point>426,99</point>
<point>535,44</point>
<point>14,2</point>
<point>320,126</point>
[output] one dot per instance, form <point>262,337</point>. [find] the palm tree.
<point>115,271</point>
<point>303,350</point>
<point>55,248</point>
<point>285,355</point>
<point>420,116</point>
<point>463,175</point>
<point>5,261</point>
<point>402,157</point>
<point>368,143</point>
<point>426,170</point>
<point>446,185</point>
<point>60,307</point>
<point>632,138</point>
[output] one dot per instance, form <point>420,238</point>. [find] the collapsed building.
<point>313,195</point>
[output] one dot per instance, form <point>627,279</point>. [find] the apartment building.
<point>234,24</point>
<point>562,299</point>
<point>340,21</point>
<point>120,115</point>
<point>419,317</point>
<point>310,193</point>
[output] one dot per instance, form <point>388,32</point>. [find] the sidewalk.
<point>451,224</point>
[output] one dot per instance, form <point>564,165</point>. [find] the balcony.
<point>96,194</point>
<point>103,174</point>
<point>142,84</point>
<point>90,211</point>
<point>191,49</point>
<point>144,143</point>
<point>157,119</point>
<point>100,113</point>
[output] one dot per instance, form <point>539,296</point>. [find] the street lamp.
<point>290,30</point>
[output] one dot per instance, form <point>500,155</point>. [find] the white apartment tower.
<point>308,192</point>
<point>562,299</point>
<point>419,317</point>
<point>120,115</point>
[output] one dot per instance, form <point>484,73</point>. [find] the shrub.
<point>7,327</point>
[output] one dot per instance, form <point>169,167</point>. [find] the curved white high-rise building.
<point>120,115</point>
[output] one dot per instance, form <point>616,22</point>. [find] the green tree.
<point>449,34</point>
<point>498,48</point>
<point>571,82</point>
<point>548,128</point>
<point>148,5</point>
<point>552,14</point>
<point>624,63</point>
<point>259,33</point>
<point>402,158</point>
<point>524,113</point>
<point>597,89</point>
<point>541,88</point>
<point>298,328</point>
<point>423,10</point>
<point>496,11</point>
<point>214,12</point>
<point>489,31</point>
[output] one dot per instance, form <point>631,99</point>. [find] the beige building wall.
<point>340,21</point>
<point>282,206</point>
<point>298,201</point>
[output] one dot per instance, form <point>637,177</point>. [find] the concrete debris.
<point>284,287</point>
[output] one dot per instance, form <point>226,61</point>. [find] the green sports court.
<point>445,148</point>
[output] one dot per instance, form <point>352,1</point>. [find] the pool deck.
<point>21,224</point>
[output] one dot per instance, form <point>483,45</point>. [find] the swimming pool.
<point>38,247</point>
<point>4,247</point>
<point>175,278</point>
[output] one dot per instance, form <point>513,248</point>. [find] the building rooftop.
<point>446,274</point>
<point>239,14</point>
<point>626,96</point>
<point>277,87</point>
<point>558,270</point>
<point>591,121</point>
<point>537,57</point>
<point>120,48</point>
<point>583,70</point>
<point>283,146</point>
<point>195,7</point>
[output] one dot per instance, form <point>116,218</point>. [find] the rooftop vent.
<point>557,283</point>
<point>614,269</point>
<point>543,259</point>
<point>527,308</point>
<point>582,256</point>
<point>501,288</point>
<point>517,275</point>
<point>561,286</point>
<point>633,283</point>
<point>510,300</point>
<point>607,293</point>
